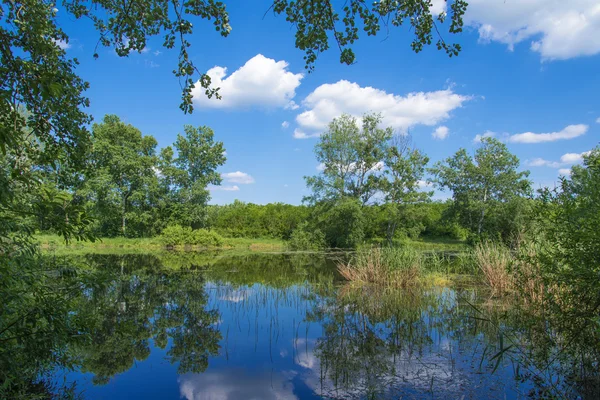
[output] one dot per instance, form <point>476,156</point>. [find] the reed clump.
<point>395,267</point>
<point>529,277</point>
<point>494,261</point>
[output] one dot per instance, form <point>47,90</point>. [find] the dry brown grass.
<point>385,267</point>
<point>529,276</point>
<point>494,261</point>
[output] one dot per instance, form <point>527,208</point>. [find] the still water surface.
<point>277,327</point>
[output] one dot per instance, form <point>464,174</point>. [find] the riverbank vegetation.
<point>112,182</point>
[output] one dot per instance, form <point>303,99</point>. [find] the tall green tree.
<point>188,174</point>
<point>405,169</point>
<point>122,168</point>
<point>351,159</point>
<point>483,185</point>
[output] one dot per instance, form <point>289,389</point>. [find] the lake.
<point>278,326</point>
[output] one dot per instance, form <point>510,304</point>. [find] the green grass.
<point>57,244</point>
<point>424,244</point>
<point>437,244</point>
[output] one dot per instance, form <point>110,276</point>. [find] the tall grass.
<point>398,267</point>
<point>494,261</point>
<point>529,277</point>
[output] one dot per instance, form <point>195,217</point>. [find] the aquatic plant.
<point>494,259</point>
<point>398,267</point>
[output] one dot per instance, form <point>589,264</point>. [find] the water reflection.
<point>276,326</point>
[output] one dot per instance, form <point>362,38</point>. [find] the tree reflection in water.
<point>286,326</point>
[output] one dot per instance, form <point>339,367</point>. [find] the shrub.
<point>304,238</point>
<point>206,238</point>
<point>174,235</point>
<point>177,235</point>
<point>343,223</point>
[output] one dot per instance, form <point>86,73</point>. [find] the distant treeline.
<point>277,220</point>
<point>371,188</point>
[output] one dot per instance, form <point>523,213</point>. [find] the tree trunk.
<point>480,227</point>
<point>390,232</point>
<point>123,219</point>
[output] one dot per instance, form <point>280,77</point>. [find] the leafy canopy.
<point>351,159</point>
<point>479,183</point>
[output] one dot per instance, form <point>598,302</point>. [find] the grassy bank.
<point>56,243</point>
<point>142,245</point>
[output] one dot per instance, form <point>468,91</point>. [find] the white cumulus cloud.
<point>570,132</point>
<point>565,159</point>
<point>62,44</point>
<point>238,177</point>
<point>441,132</point>
<point>573,158</point>
<point>261,82</point>
<point>299,134</point>
<point>285,124</point>
<point>233,188</point>
<point>424,184</point>
<point>540,162</point>
<point>556,29</point>
<point>564,171</point>
<point>477,138</point>
<point>329,101</point>
<point>438,7</point>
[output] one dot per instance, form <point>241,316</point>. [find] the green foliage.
<point>439,221</point>
<point>305,238</point>
<point>52,171</point>
<point>484,187</point>
<point>405,168</point>
<point>176,235</point>
<point>36,322</point>
<point>358,163</point>
<point>342,26</point>
<point>351,160</point>
<point>570,256</point>
<point>128,29</point>
<point>184,179</point>
<point>342,222</point>
<point>120,175</point>
<point>239,219</point>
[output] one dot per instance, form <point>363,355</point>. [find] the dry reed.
<point>385,267</point>
<point>494,261</point>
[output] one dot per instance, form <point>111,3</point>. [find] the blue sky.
<point>528,74</point>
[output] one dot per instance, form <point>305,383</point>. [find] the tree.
<point>343,223</point>
<point>486,182</point>
<point>36,73</point>
<point>122,167</point>
<point>188,175</point>
<point>351,160</point>
<point>569,217</point>
<point>405,168</point>
<point>316,21</point>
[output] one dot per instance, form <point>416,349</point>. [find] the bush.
<point>206,238</point>
<point>304,238</point>
<point>343,223</point>
<point>177,235</point>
